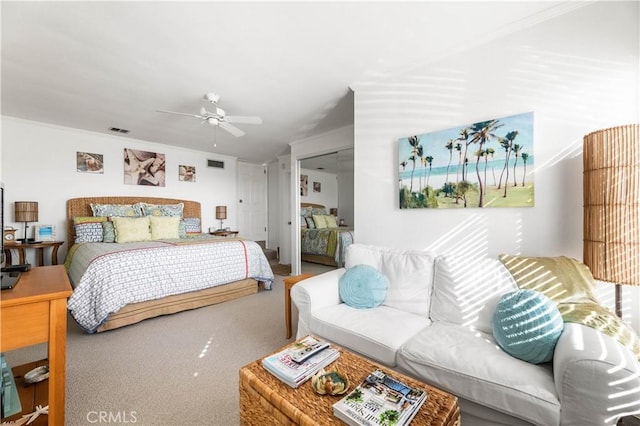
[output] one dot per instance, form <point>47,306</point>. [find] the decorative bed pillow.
<point>318,210</point>
<point>363,286</point>
<point>320,221</point>
<point>130,229</point>
<point>305,211</point>
<point>88,229</point>
<point>527,325</point>
<point>164,227</point>
<point>108,232</point>
<point>161,209</point>
<point>303,222</point>
<point>120,210</point>
<point>331,221</point>
<point>182,229</point>
<point>192,225</point>
<point>310,223</point>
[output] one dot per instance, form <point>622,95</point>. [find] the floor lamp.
<point>612,206</point>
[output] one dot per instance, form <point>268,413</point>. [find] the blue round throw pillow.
<point>363,286</point>
<point>527,325</point>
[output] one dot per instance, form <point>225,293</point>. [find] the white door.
<point>252,201</point>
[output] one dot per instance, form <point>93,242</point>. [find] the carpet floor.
<point>179,369</point>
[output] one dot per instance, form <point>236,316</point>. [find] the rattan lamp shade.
<point>612,204</point>
<point>26,211</point>
<point>221,212</point>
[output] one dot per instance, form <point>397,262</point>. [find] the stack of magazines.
<point>380,400</point>
<point>300,361</point>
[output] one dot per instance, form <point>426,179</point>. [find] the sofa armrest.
<point>314,293</point>
<point>597,379</point>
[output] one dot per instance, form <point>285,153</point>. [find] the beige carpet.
<point>179,369</point>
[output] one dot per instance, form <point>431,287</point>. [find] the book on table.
<point>283,366</point>
<point>380,400</point>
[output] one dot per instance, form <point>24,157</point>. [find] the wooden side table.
<point>21,247</point>
<point>225,233</point>
<point>288,283</point>
<point>35,311</point>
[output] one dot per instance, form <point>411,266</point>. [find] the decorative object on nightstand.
<point>10,234</point>
<point>611,183</point>
<point>221,214</point>
<point>26,211</point>
<point>45,233</point>
<point>341,223</point>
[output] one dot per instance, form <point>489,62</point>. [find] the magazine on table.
<point>283,366</point>
<point>380,400</point>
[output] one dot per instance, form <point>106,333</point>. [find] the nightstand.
<point>288,283</point>
<point>223,233</point>
<point>21,247</point>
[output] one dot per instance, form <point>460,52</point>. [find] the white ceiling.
<point>96,65</point>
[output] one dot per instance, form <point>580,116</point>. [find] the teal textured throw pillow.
<point>363,286</point>
<point>527,325</point>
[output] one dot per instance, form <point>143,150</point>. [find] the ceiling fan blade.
<point>232,129</point>
<point>243,119</point>
<point>180,113</point>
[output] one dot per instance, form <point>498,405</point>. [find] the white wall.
<point>39,164</point>
<point>328,195</point>
<point>577,73</point>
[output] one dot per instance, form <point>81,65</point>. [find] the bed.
<point>326,245</point>
<point>118,284</point>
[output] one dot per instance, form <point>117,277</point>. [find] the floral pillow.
<point>310,223</point>
<point>108,232</point>
<point>120,210</point>
<point>161,209</point>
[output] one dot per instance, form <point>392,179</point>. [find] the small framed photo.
<point>45,232</point>
<point>317,187</point>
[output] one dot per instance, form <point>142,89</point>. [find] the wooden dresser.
<point>35,311</point>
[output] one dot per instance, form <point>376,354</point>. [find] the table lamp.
<point>221,214</point>
<point>611,185</point>
<point>25,211</point>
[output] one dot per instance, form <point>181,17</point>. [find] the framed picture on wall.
<point>304,182</point>
<point>45,232</point>
<point>143,168</point>
<point>87,162</point>
<point>187,173</point>
<point>316,187</point>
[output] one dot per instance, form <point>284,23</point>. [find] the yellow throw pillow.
<point>331,221</point>
<point>562,279</point>
<point>130,229</point>
<point>320,221</point>
<point>164,227</point>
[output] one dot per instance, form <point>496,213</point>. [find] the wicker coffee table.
<point>265,400</point>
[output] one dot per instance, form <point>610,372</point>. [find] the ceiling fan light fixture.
<point>220,112</point>
<point>213,121</point>
<point>212,97</point>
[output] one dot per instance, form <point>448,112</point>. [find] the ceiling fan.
<point>219,117</point>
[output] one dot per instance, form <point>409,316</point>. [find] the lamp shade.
<point>612,204</point>
<point>221,212</point>
<point>26,211</point>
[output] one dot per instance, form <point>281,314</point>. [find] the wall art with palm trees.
<point>485,164</point>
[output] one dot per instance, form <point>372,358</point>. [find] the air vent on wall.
<point>216,164</point>
<point>117,130</point>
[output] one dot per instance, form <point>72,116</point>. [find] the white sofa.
<point>435,325</point>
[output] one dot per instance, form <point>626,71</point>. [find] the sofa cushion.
<point>469,364</point>
<point>527,325</point>
<point>466,290</point>
<point>376,333</point>
<point>410,275</point>
<point>363,286</point>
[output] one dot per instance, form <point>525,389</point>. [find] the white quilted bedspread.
<point>136,272</point>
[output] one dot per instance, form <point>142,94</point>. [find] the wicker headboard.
<point>82,207</point>
<point>313,205</point>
